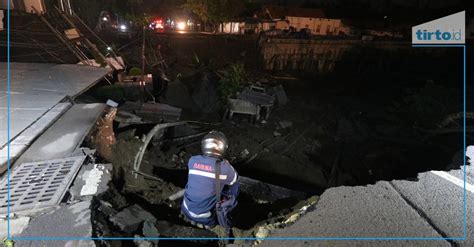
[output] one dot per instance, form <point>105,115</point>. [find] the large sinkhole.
<point>329,134</point>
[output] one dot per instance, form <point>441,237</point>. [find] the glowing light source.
<point>181,25</point>
<point>123,27</point>
<point>105,18</point>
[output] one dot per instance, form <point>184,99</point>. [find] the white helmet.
<point>214,144</point>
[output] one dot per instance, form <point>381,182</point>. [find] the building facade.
<point>313,20</point>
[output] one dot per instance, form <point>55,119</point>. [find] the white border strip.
<point>454,180</point>
<point>206,174</point>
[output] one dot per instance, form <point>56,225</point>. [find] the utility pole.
<point>142,81</point>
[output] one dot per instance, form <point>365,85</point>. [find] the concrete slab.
<point>17,225</point>
<point>69,221</point>
<point>65,135</point>
<point>442,202</point>
<point>130,218</point>
<point>19,144</point>
<point>460,174</point>
<point>362,211</point>
<point>37,87</point>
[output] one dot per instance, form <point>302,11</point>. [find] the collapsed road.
<point>136,190</point>
<point>333,158</point>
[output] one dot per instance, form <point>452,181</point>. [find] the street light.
<point>181,25</point>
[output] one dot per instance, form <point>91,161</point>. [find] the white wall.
<point>280,24</point>
<point>268,26</point>
<point>230,27</point>
<point>319,26</point>
<point>1,19</point>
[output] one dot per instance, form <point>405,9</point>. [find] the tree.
<point>199,8</point>
<point>215,11</point>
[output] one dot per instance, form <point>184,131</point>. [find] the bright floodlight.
<point>109,48</point>
<point>181,25</point>
<point>105,18</point>
<point>123,27</point>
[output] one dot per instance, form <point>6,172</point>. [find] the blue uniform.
<point>200,196</point>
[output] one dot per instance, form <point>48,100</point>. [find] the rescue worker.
<point>200,205</point>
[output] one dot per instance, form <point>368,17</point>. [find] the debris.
<point>262,100</point>
<point>86,151</point>
<point>111,103</point>
<point>244,154</point>
<point>148,138</point>
<point>94,179</point>
<point>280,95</point>
<point>127,118</point>
<point>242,107</point>
<point>180,139</point>
<point>142,243</point>
<point>263,231</point>
<point>174,158</point>
<point>285,77</point>
<point>285,124</point>
<point>106,208</point>
<point>103,137</point>
<point>176,195</point>
<point>17,225</point>
<point>250,159</point>
<point>130,218</point>
<point>257,89</point>
<point>149,230</point>
<point>149,176</point>
<point>152,111</point>
<point>168,229</point>
<point>134,79</point>
<point>181,154</point>
<point>267,192</point>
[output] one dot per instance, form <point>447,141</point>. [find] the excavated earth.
<point>325,136</point>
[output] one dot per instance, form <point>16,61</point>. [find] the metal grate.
<point>38,184</point>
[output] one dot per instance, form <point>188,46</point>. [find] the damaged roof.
<point>278,12</point>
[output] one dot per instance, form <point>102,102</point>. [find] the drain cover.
<point>38,184</point>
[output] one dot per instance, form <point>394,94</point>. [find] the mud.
<point>335,130</point>
<point>103,137</point>
<point>308,145</point>
<point>128,182</point>
<point>166,168</point>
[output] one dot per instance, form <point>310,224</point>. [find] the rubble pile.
<point>150,167</point>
